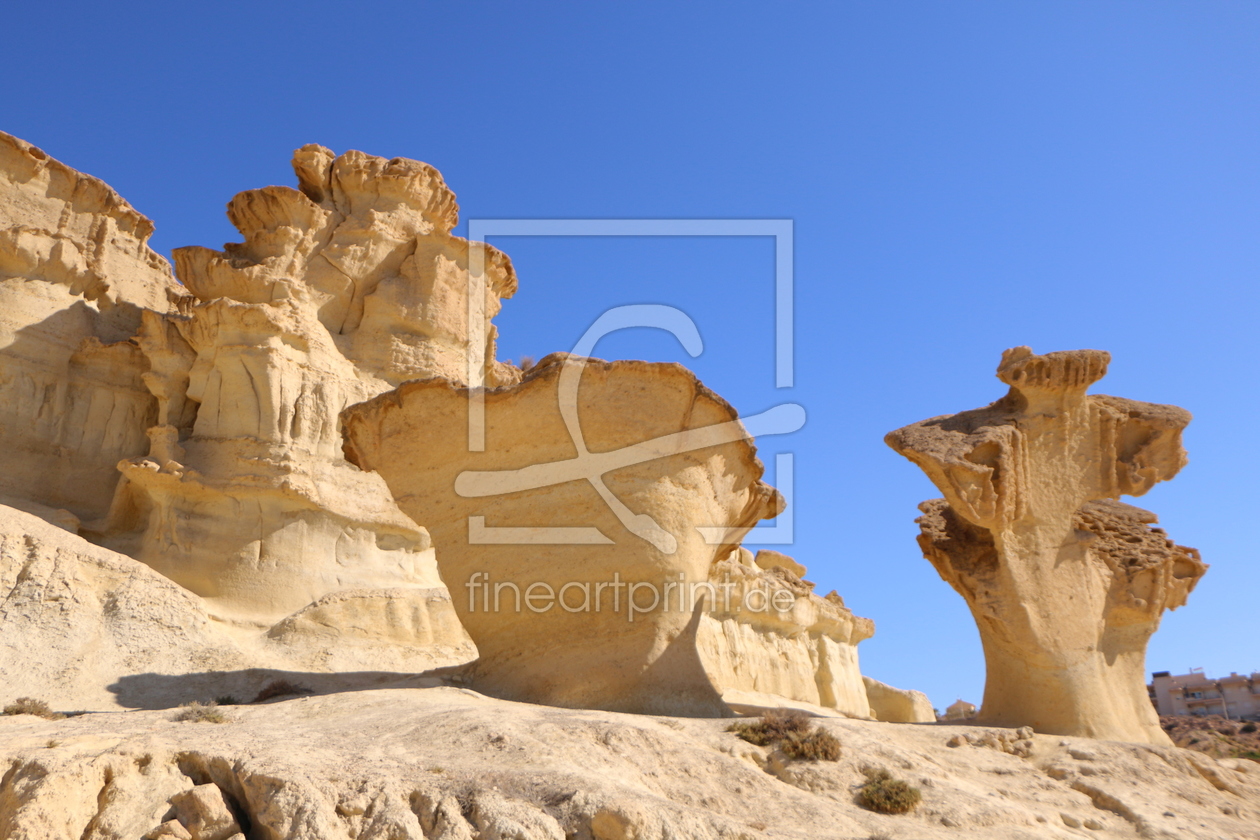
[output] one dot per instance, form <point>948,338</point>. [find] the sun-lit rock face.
<point>75,276</point>
<point>767,635</point>
<point>341,289</point>
<point>1066,584</point>
<point>195,425</point>
<point>663,511</point>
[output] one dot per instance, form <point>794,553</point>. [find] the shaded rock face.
<point>1066,584</point>
<point>662,518</point>
<point>341,289</point>
<point>85,628</point>
<point>76,275</point>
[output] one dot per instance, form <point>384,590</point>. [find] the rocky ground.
<point>1214,735</point>
<point>445,762</point>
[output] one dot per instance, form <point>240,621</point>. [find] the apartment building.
<point>1236,696</point>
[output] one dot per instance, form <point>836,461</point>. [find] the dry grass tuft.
<point>793,732</point>
<point>201,713</point>
<point>774,726</point>
<point>885,795</point>
<point>819,745</point>
<point>31,706</point>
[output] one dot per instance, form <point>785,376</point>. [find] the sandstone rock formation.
<point>218,400</point>
<point>83,627</point>
<point>341,290</point>
<point>447,763</point>
<point>76,275</point>
<point>898,705</point>
<point>766,638</point>
<point>1066,584</point>
<point>659,466</point>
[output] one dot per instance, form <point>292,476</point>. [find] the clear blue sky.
<point>964,177</point>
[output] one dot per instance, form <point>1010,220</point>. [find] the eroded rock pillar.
<point>1065,583</point>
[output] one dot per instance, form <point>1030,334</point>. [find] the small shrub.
<point>885,795</point>
<point>280,688</point>
<point>53,744</point>
<point>201,713</point>
<point>793,732</point>
<point>819,745</point>
<point>31,706</point>
<point>1248,727</point>
<point>774,726</point>
<point>226,700</point>
<point>1254,755</point>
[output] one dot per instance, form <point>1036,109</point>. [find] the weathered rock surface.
<point>627,647</point>
<point>341,290</point>
<point>76,275</point>
<point>83,627</point>
<point>1066,584</point>
<point>218,400</point>
<point>446,763</point>
<point>898,705</point>
<point>795,645</point>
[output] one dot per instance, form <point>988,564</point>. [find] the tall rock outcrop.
<point>1066,584</point>
<point>76,276</point>
<point>341,290</point>
<point>633,465</point>
<point>195,426</point>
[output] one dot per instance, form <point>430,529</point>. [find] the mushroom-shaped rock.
<point>1066,584</point>
<point>578,543</point>
<point>342,289</point>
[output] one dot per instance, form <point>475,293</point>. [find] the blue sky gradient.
<point>963,178</point>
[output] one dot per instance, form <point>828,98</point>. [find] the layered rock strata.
<point>617,496</point>
<point>767,637</point>
<point>76,276</point>
<point>85,628</point>
<point>342,289</point>
<point>218,398</point>
<point>1066,584</point>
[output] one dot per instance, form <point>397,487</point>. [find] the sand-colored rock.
<point>898,705</point>
<point>767,633</point>
<point>446,762</point>
<point>83,627</point>
<point>587,648</point>
<point>1066,584</point>
<point>341,290</point>
<point>76,275</point>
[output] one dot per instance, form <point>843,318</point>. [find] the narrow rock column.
<point>1065,585</point>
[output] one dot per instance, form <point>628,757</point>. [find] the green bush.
<point>31,706</point>
<point>1248,727</point>
<point>885,795</point>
